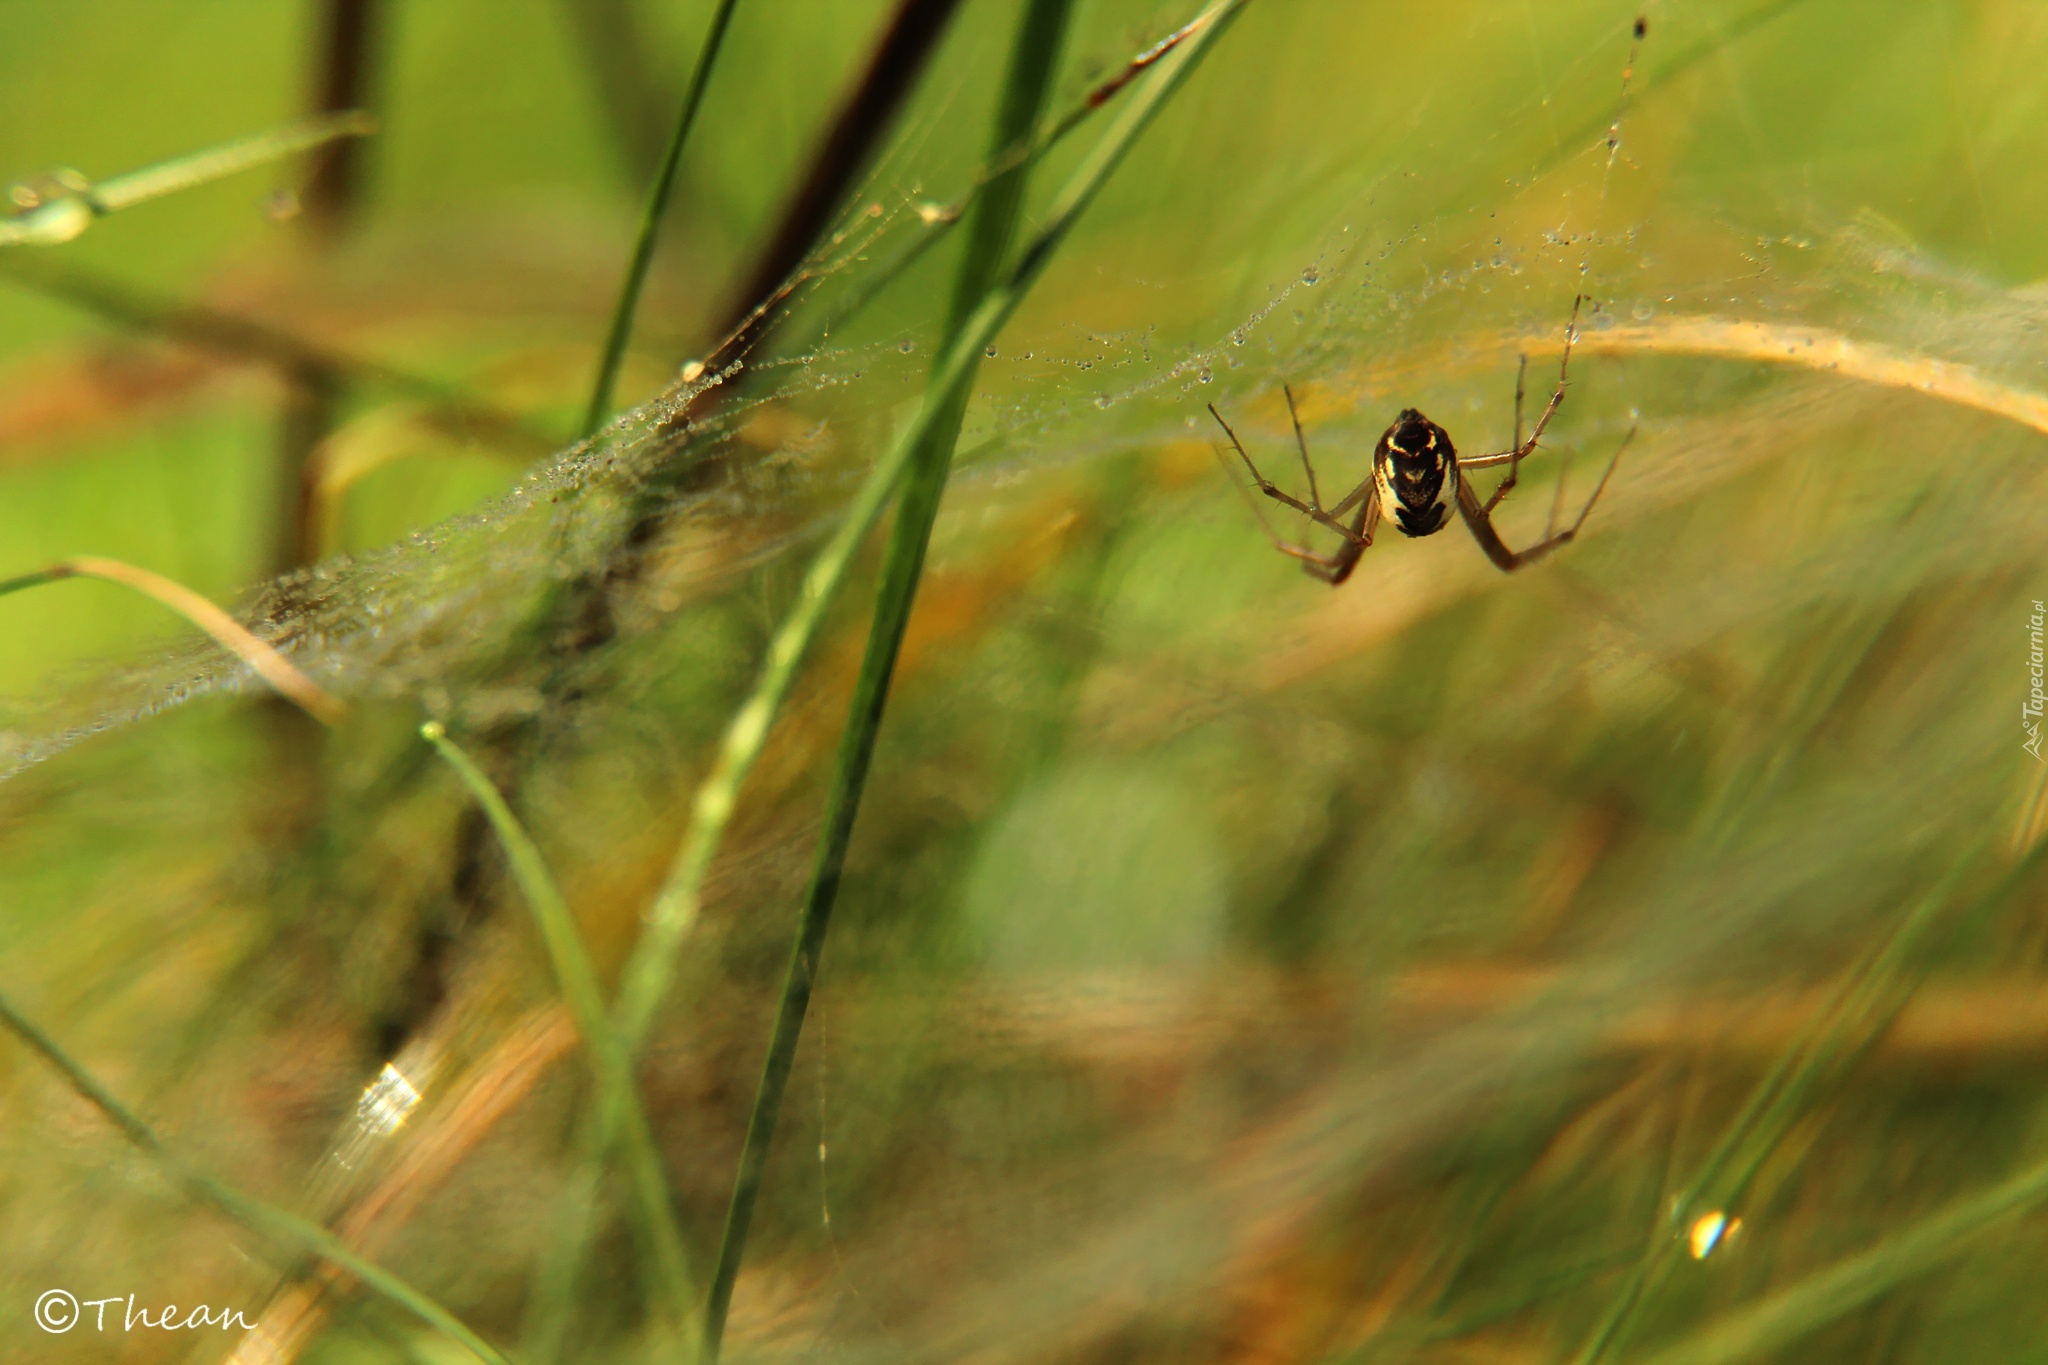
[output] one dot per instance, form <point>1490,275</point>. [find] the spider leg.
<point>1312,510</point>
<point>1364,524</point>
<point>1564,365</point>
<point>1513,457</point>
<point>1332,569</point>
<point>1301,443</point>
<point>1521,381</point>
<point>1479,521</point>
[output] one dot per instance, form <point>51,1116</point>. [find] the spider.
<point>1418,475</point>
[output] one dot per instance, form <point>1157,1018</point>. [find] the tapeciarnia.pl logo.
<point>2030,709</point>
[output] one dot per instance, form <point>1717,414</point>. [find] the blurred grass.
<point>1226,969</point>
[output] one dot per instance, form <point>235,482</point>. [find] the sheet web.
<point>450,602</point>
<point>1365,306</point>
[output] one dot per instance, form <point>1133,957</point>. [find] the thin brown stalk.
<point>245,339</point>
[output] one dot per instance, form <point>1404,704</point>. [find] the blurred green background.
<point>1229,968</point>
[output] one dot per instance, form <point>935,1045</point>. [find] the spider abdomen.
<point>1417,473</point>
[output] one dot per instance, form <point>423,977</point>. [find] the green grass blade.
<point>996,217</point>
<point>675,907</point>
<point>621,331</point>
<point>651,966</point>
<point>618,1099</point>
<point>232,158</point>
<point>69,212</point>
<point>1008,160</point>
<point>301,1234</point>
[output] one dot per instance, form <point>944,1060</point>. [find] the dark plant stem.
<point>621,332</point>
<point>312,399</point>
<point>313,395</point>
<point>333,193</point>
<point>866,117</point>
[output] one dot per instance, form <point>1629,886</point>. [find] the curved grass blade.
<point>621,1112</point>
<point>275,1223</point>
<point>231,634</point>
<point>621,331</point>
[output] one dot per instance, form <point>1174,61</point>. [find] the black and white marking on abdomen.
<point>1417,473</point>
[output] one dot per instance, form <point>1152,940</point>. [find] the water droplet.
<point>906,346</point>
<point>1710,1231</point>
<point>990,353</point>
<point>1643,312</point>
<point>1103,400</point>
<point>1310,275</point>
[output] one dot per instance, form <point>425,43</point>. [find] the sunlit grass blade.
<point>997,216</point>
<point>618,1099</point>
<point>275,1223</point>
<point>71,202</point>
<point>621,330</point>
<point>231,634</point>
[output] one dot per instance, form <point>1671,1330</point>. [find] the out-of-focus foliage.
<point>1229,968</point>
